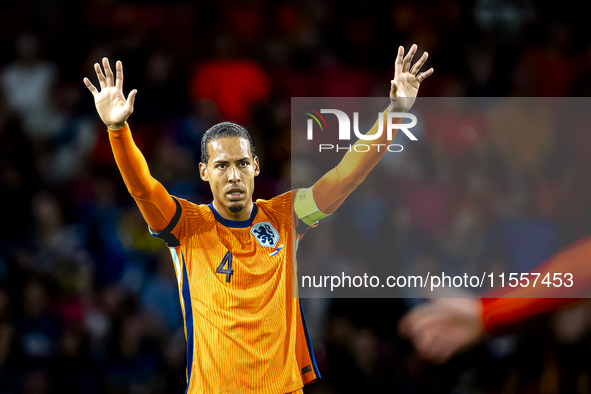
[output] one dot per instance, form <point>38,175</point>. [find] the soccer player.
<point>442,328</point>
<point>244,324</point>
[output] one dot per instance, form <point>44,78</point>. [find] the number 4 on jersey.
<point>221,270</point>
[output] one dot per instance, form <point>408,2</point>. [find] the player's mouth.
<point>235,194</point>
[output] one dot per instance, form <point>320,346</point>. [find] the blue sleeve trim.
<point>166,235</point>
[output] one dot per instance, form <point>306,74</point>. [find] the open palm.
<point>110,103</point>
<point>405,85</point>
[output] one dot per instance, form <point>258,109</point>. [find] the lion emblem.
<point>265,234</point>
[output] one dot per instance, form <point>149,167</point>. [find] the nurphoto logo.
<point>345,129</point>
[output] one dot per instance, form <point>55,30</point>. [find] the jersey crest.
<point>265,234</point>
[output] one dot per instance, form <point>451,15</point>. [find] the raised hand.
<point>443,327</point>
<point>405,85</point>
<point>110,103</point>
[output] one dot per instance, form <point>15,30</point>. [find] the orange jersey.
<point>245,327</point>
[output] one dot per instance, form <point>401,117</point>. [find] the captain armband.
<point>306,209</point>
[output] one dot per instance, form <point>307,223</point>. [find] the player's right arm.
<point>156,204</point>
<point>443,327</point>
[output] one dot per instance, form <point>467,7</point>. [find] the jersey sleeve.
<point>187,221</point>
<point>508,306</point>
<point>156,205</point>
<point>334,187</point>
<point>319,201</point>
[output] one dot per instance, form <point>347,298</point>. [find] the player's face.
<point>230,172</point>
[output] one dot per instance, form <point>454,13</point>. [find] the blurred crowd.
<point>88,299</point>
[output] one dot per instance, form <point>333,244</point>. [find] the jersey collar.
<point>234,223</point>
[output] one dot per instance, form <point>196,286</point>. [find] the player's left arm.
<point>330,191</point>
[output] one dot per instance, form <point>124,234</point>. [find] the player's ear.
<point>257,168</point>
<point>203,172</point>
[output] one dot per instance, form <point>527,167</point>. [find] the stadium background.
<point>88,300</point>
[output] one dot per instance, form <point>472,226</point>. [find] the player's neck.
<point>243,214</point>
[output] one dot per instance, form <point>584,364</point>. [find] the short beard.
<point>235,209</point>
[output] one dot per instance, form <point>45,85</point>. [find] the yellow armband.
<point>306,209</point>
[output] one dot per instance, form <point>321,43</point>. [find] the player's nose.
<point>234,175</point>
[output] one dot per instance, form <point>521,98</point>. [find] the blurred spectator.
<point>27,85</point>
<point>234,84</point>
<point>160,304</point>
<point>57,249</point>
<point>39,330</point>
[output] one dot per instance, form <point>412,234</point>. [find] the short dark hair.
<point>223,130</point>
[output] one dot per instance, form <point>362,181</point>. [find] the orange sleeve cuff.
<point>119,132</point>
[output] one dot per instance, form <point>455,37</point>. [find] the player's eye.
<point>221,166</point>
<point>244,164</point>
